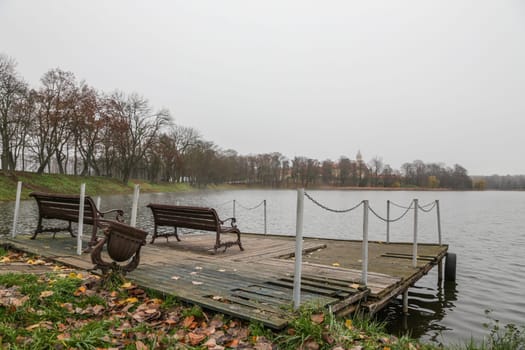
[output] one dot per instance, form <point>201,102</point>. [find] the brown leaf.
<point>46,293</point>
<point>80,291</point>
<point>327,337</point>
<point>97,309</point>
<point>233,343</point>
<point>196,339</point>
<point>63,336</point>
<point>140,345</point>
<point>208,331</point>
<point>211,343</point>
<point>188,321</point>
<point>317,318</point>
<point>311,345</point>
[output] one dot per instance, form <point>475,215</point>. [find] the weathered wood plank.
<point>258,283</point>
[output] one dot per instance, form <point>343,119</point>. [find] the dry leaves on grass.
<point>11,297</point>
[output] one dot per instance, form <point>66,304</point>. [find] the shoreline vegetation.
<point>100,185</point>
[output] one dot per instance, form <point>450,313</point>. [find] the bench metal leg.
<point>154,235</point>
<point>70,229</point>
<point>38,228</point>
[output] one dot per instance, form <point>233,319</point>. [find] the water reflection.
<point>426,308</point>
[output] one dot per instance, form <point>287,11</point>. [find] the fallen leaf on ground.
<point>348,324</point>
<point>188,321</point>
<point>80,291</point>
<point>140,345</point>
<point>127,285</point>
<point>196,339</point>
<point>46,293</point>
<point>233,344</point>
<point>317,318</point>
<point>197,283</point>
<point>175,277</point>
<point>336,264</point>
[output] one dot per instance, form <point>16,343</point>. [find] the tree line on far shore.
<point>68,127</point>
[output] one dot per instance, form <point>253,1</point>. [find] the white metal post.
<point>81,218</point>
<point>388,221</point>
<point>17,208</point>
<point>439,221</point>
<point>98,202</point>
<point>298,249</point>
<point>265,219</point>
<point>134,206</point>
<point>233,208</point>
<point>364,272</point>
<point>414,247</point>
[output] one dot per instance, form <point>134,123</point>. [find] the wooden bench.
<point>123,243</point>
<point>198,218</point>
<point>66,207</point>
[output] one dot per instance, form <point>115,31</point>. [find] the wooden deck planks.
<point>257,283</point>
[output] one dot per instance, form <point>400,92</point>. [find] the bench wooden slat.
<point>67,208</point>
<point>197,218</point>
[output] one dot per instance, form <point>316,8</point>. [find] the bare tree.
<point>376,166</point>
<point>55,107</point>
<point>86,127</point>
<point>24,111</point>
<point>12,95</point>
<point>345,170</point>
<point>185,139</point>
<point>137,128</point>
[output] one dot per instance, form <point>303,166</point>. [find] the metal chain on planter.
<point>330,209</point>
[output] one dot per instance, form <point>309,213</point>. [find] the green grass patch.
<point>70,184</point>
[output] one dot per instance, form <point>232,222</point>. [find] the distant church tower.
<point>359,157</point>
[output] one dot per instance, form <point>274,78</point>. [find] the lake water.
<point>485,229</point>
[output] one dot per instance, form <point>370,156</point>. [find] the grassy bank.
<point>69,184</point>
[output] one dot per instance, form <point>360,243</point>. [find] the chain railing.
<point>247,208</point>
<point>339,211</point>
<point>414,205</point>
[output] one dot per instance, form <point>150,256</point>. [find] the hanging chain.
<point>329,209</point>
<point>423,207</point>
<point>391,220</point>
<point>249,208</point>
<point>400,206</point>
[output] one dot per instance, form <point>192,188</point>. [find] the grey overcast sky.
<point>440,81</point>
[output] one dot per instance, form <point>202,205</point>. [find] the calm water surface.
<point>485,229</point>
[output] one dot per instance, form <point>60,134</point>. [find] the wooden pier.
<point>257,283</point>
